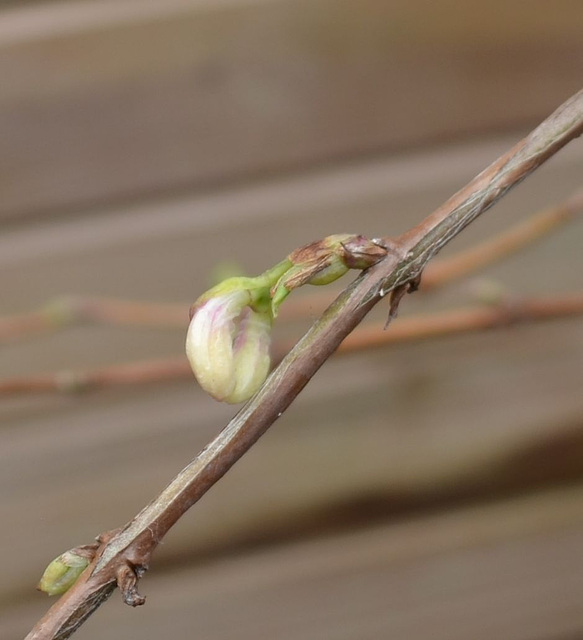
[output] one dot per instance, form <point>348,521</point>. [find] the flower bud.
<point>227,343</point>
<point>62,573</point>
<point>228,339</point>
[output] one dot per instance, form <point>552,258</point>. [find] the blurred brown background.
<point>430,491</point>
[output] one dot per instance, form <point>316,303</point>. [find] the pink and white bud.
<point>251,355</point>
<point>227,345</point>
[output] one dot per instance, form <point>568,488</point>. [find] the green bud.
<point>324,261</point>
<point>488,291</point>
<point>62,573</point>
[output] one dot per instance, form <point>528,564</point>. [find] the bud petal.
<point>62,573</point>
<point>209,341</point>
<point>251,355</point>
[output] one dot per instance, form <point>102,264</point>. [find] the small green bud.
<point>324,261</point>
<point>488,291</point>
<point>62,573</point>
<point>62,311</point>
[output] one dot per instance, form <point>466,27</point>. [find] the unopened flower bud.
<point>227,343</point>
<point>62,573</point>
<point>228,339</point>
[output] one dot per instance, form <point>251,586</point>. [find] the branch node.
<point>127,577</point>
<point>394,246</point>
<point>397,295</point>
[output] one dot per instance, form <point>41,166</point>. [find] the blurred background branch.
<point>510,312</point>
<point>64,312</point>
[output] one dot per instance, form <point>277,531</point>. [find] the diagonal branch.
<point>126,554</point>
<point>441,272</point>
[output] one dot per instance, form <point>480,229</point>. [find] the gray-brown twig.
<point>537,226</point>
<point>125,554</point>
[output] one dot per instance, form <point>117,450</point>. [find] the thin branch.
<point>71,310</point>
<point>459,321</point>
<point>126,554</point>
<point>69,381</point>
<point>506,243</point>
<point>366,336</point>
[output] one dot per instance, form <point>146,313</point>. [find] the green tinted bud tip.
<point>63,572</point>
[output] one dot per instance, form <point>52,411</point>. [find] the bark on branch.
<point>125,554</point>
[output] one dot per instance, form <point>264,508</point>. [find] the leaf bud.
<point>62,573</point>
